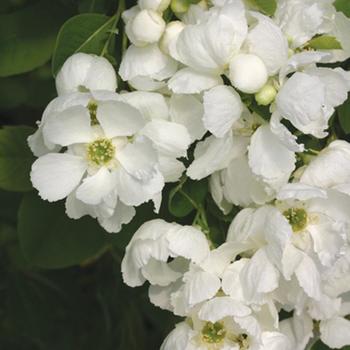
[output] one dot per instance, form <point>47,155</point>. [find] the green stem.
<point>120,10</point>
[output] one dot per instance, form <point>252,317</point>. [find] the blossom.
<point>84,72</point>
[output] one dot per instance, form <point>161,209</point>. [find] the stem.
<point>312,342</point>
<point>121,8</point>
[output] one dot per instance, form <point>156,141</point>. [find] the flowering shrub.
<point>203,148</point>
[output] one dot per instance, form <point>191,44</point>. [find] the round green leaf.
<point>50,239</point>
<point>27,36</point>
<point>83,33</point>
<point>266,6</point>
<point>15,158</point>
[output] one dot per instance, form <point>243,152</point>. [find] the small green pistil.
<point>101,152</point>
<point>297,218</point>
<point>213,332</point>
<point>92,107</point>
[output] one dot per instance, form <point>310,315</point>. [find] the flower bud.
<point>266,95</point>
<point>84,72</point>
<point>147,26</point>
<point>155,5</point>
<point>248,73</point>
<point>172,31</point>
<point>180,6</point>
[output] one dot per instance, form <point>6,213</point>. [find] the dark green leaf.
<point>27,37</point>
<point>92,6</point>
<point>15,158</point>
<point>50,239</point>
<point>343,6</point>
<point>187,193</point>
<point>266,6</point>
<point>83,33</point>
<point>325,42</point>
<point>344,116</point>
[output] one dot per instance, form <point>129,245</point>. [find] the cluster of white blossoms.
<point>200,76</point>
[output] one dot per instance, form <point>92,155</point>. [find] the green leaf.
<point>187,194</point>
<point>343,6</point>
<point>344,116</point>
<point>266,6</point>
<point>92,6</point>
<point>27,36</point>
<point>15,158</point>
<point>83,33</point>
<point>325,42</point>
<point>50,239</point>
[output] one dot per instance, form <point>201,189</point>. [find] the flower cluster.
<point>251,92</point>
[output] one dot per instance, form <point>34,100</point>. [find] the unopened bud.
<point>180,6</point>
<point>147,26</point>
<point>172,31</point>
<point>155,5</point>
<point>266,95</point>
<point>248,73</point>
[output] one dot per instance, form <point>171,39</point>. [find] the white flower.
<point>171,33</point>
<point>103,162</point>
<point>308,99</point>
<point>153,244</point>
<point>207,47</point>
<point>84,72</point>
<point>225,324</point>
<point>301,20</point>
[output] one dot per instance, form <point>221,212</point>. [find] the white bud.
<point>84,72</point>
<point>266,95</point>
<point>248,73</point>
<point>168,41</point>
<point>155,5</point>
<point>147,26</point>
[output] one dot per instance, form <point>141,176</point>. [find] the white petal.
<point>55,176</point>
<point>189,243</point>
<point>143,61</point>
<point>231,284</point>
<point>138,159</point>
<point>217,192</point>
<point>267,41</point>
<point>190,81</point>
<point>309,277</point>
<point>214,154</point>
<point>122,215</point>
<point>218,308</point>
<point>132,191</point>
<point>200,286</point>
<point>171,168</point>
<point>152,105</point>
<point>170,138</point>
<point>119,118</point>
<point>85,71</point>
<point>269,158</point>
<point>320,173</point>
<point>335,332</point>
<point>222,107</point>
<point>300,191</point>
<point>241,186</point>
<point>188,111</point>
<point>178,338</point>
<point>302,100</point>
<point>69,126</point>
<point>258,276</point>
<point>94,188</point>
<point>159,273</point>
<point>275,341</point>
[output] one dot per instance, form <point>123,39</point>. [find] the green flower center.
<point>297,218</point>
<point>92,107</point>
<point>213,332</point>
<point>101,152</point>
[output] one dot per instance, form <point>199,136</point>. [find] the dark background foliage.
<point>60,279</point>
